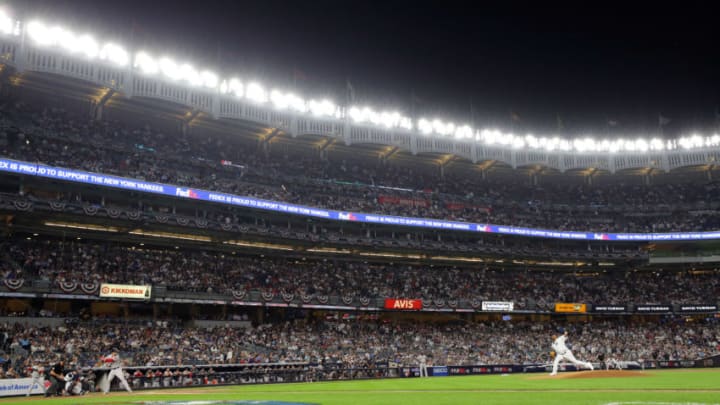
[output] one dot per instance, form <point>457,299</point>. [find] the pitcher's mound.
<point>592,374</point>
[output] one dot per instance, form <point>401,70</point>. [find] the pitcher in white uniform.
<point>563,353</point>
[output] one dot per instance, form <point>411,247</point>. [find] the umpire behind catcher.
<point>56,376</point>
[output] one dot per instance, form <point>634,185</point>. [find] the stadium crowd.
<point>355,343</point>
<point>55,137</point>
<point>222,273</point>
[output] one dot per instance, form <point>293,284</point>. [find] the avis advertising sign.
<point>403,304</point>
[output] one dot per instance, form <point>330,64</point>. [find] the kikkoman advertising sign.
<point>139,292</point>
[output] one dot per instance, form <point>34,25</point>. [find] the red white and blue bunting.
<point>23,205</point>
<point>57,205</point>
<point>14,283</point>
<point>90,288</point>
<point>113,212</point>
<point>90,210</point>
<point>68,286</point>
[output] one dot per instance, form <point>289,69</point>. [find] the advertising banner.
<point>439,371</point>
<point>497,306</point>
<point>99,179</point>
<point>411,202</point>
<point>18,386</point>
<point>403,304</point>
<point>697,308</point>
<point>481,369</point>
<point>713,361</point>
<point>652,308</point>
<point>609,308</point>
<point>570,307</point>
<point>140,292</point>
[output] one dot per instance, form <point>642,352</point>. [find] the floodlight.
<point>6,23</point>
<point>64,38</point>
<point>322,108</point>
<point>641,145</point>
<point>278,99</point>
<point>386,119</point>
<point>355,114</point>
<point>532,141</point>
<point>235,87</point>
<point>87,45</point>
<point>506,139</point>
<point>146,63</point>
<point>463,132</point>
<point>40,33</point>
<point>209,79</point>
<point>169,68</point>
<point>690,142</point>
<point>656,144</point>
<point>372,116</point>
<point>115,54</point>
<point>287,101</point>
<point>565,145</point>
<point>490,136</point>
<point>255,92</point>
<point>188,73</point>
<point>425,126</point>
<point>714,140</point>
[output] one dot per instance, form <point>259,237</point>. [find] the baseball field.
<point>679,387</point>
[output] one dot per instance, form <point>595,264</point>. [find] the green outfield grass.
<point>680,387</point>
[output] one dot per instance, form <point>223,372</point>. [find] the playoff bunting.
<point>90,288</point>
<point>14,283</point>
<point>67,286</point>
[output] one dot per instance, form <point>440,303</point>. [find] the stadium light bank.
<point>143,62</point>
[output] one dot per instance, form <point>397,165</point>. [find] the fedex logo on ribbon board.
<point>189,193</point>
<point>347,216</point>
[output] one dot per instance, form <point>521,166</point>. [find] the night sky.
<point>519,66</point>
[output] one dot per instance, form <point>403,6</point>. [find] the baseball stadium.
<point>180,230</point>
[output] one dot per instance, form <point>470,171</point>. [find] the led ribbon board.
<point>77,176</point>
